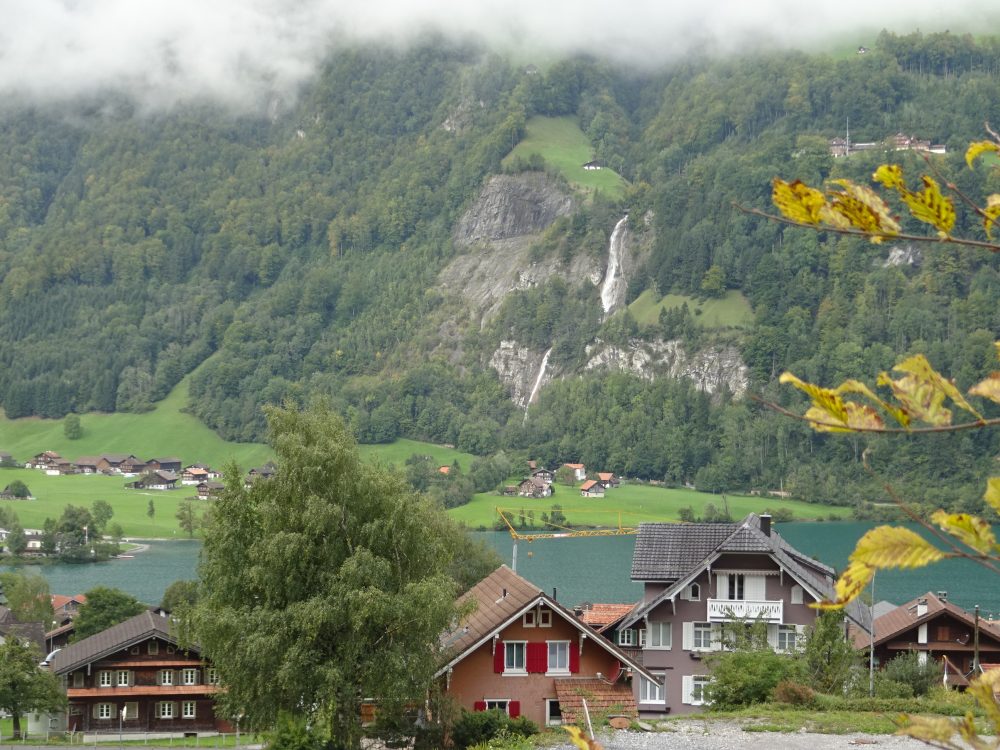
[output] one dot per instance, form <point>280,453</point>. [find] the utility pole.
<point>975,647</point>
<point>871,643</point>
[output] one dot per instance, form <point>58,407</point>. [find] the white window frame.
<point>627,637</point>
<point>559,646</point>
<point>549,721</point>
<point>797,594</point>
<point>510,652</point>
<point>105,678</point>
<point>699,632</point>
<point>651,692</point>
<point>189,709</point>
<point>165,710</point>
<point>529,619</point>
<point>189,676</point>
<point>545,618</point>
<point>781,640</point>
<point>659,635</point>
<point>105,711</point>
<point>498,704</point>
<point>736,587</point>
<point>698,684</point>
<point>692,592</point>
<point>166,677</point>
<point>122,678</point>
<point>211,676</point>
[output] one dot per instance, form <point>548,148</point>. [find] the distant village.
<point>840,147</point>
<point>538,483</point>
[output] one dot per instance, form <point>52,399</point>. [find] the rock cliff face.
<point>711,369</point>
<point>518,368</point>
<point>512,206</point>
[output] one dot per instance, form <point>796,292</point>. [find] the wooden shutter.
<point>721,586</point>
<point>536,658</point>
<point>687,688</point>
<point>95,710</point>
<point>772,635</point>
<point>498,657</point>
<point>479,706</point>
<point>796,594</point>
<point>131,678</point>
<point>514,709</point>
<point>687,636</point>
<point>574,658</point>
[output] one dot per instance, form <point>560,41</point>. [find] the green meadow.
<point>730,311</point>
<point>632,504</point>
<point>561,143</point>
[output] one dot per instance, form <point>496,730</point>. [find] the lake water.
<point>587,569</point>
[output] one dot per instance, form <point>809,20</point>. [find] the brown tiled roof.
<point>134,630</point>
<point>587,485</point>
<point>601,697</point>
<point>575,466</point>
<point>904,617</point>
<point>605,476</point>
<point>599,616</point>
<point>61,600</point>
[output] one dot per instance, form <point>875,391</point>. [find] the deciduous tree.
<point>23,686</point>
<point>104,607</point>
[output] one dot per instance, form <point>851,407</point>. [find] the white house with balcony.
<point>699,579</point>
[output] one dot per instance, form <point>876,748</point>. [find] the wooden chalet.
<point>210,489</point>
<point>88,464</point>
<point>154,480</point>
<point>579,471</point>
<point>135,675</point>
<point>44,460</point>
<point>534,488</point>
<point>168,463</point>
<point>544,474</point>
<point>260,472</point>
<point>592,488</point>
<point>608,479</point>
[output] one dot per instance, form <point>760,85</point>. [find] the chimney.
<point>503,595</point>
<point>942,595</point>
<point>921,607</point>
<point>555,593</point>
<point>765,524</point>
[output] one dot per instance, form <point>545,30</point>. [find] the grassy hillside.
<point>731,311</point>
<point>564,146</point>
<point>396,453</point>
<point>636,503</point>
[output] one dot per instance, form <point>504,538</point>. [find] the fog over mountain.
<point>233,51</point>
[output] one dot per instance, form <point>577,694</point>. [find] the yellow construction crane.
<point>562,532</point>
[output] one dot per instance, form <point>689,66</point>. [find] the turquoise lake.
<point>592,569</point>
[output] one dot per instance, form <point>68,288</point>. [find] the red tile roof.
<point>575,466</point>
<point>605,476</point>
<point>587,485</point>
<point>599,616</point>
<point>601,697</point>
<point>61,600</point>
<point>904,617</point>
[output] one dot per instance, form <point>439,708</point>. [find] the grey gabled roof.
<point>142,627</point>
<point>668,551</point>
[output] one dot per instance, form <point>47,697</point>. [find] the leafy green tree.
<point>828,658</point>
<point>150,509</point>
<point>187,517</point>
<point>713,283</point>
<point>17,542</point>
<point>72,428</point>
<point>180,594</point>
<point>325,585</point>
<point>27,595</point>
<point>102,512</point>
<point>23,686</point>
<point>17,488</point>
<point>104,607</point>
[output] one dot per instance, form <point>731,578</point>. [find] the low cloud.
<point>235,51</point>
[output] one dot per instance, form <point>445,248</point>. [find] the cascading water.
<point>538,381</point>
<point>613,278</point>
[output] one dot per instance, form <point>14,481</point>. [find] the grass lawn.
<point>731,311</point>
<point>397,452</point>
<point>564,146</point>
<point>635,503</point>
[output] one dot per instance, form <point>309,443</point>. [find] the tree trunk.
<point>17,724</point>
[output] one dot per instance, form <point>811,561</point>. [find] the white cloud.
<point>163,51</point>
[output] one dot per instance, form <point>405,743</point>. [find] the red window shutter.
<point>537,658</point>
<point>514,709</point>
<point>574,658</point>
<point>498,658</point>
<point>479,706</point>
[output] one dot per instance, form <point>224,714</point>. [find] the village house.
<point>154,480</point>
<point>44,460</point>
<point>934,628</point>
<point>535,488</point>
<point>544,474</point>
<point>522,652</point>
<point>700,578</point>
<point>592,488</point>
<point>260,472</point>
<point>608,479</point>
<point>137,673</point>
<point>210,489</point>
<point>165,464</point>
<point>6,459</point>
<point>87,464</point>
<point>579,471</point>
<point>196,474</point>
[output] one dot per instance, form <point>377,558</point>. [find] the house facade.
<point>522,652</point>
<point>701,579</point>
<point>592,488</point>
<point>137,674</point>
<point>579,471</point>
<point>936,629</point>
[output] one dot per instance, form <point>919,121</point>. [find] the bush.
<point>886,688</point>
<point>478,727</point>
<point>740,678</point>
<point>907,669</point>
<point>794,693</point>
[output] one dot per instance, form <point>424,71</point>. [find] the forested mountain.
<point>302,252</point>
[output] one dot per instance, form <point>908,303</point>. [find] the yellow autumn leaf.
<point>848,587</point>
<point>989,388</point>
<point>932,730</point>
<point>979,148</point>
<point>864,209</point>
<point>982,690</point>
<point>894,547</point>
<point>918,366</point>
<point>971,530</point>
<point>966,727</point>
<point>863,417</point>
<point>822,421</point>
<point>992,494</point>
<point>828,406</point>
<point>797,201</point>
<point>992,213</point>
<point>922,392</point>
<point>856,386</point>
<point>930,206</point>
<point>580,740</point>
<point>890,175</point>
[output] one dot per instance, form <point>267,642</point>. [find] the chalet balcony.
<point>725,610</point>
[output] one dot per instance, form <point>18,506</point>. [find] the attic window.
<point>529,620</point>
<point>154,647</point>
<point>545,618</point>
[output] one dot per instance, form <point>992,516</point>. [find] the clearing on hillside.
<point>730,311</point>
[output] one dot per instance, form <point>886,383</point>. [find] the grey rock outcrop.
<point>512,206</point>
<point>518,368</point>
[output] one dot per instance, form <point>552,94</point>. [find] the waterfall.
<point>613,276</point>
<point>538,381</point>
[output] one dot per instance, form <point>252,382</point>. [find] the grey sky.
<point>232,50</point>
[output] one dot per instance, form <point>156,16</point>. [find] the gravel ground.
<point>724,735</point>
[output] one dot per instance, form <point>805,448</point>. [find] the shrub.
<point>907,669</point>
<point>479,727</point>
<point>886,688</point>
<point>740,678</point>
<point>794,693</point>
